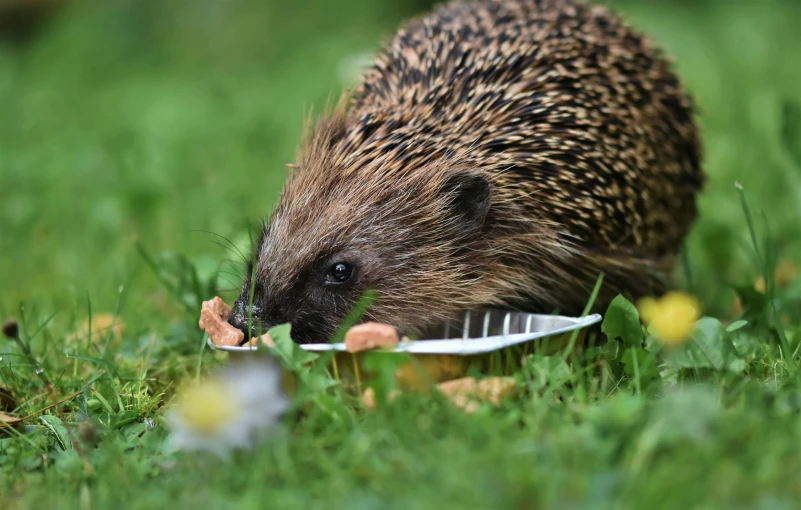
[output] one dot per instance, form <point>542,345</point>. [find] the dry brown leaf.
<point>7,420</point>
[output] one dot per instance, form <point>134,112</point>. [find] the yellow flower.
<point>786,272</point>
<point>671,318</point>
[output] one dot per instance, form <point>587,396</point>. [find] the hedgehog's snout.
<point>246,319</point>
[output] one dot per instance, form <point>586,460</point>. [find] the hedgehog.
<point>495,154</point>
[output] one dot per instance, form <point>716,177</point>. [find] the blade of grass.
<point>768,278</point>
<point>251,296</point>
<point>688,272</point>
<point>200,357</point>
<point>25,347</point>
<point>110,332</point>
<point>89,317</point>
<point>574,334</point>
<point>750,222</point>
<point>109,371</point>
<point>155,268</point>
<point>354,315</point>
<point>41,327</point>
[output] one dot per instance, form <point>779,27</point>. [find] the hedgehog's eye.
<point>339,273</point>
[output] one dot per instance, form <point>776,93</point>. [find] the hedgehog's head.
<point>412,230</point>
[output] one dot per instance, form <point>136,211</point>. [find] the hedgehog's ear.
<point>468,200</point>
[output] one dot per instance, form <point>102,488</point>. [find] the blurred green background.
<point>150,120</point>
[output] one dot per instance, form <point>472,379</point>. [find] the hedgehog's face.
<point>313,301</point>
<point>325,246</point>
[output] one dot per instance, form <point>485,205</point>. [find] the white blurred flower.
<point>230,409</point>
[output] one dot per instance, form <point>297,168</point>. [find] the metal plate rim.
<point>454,346</point>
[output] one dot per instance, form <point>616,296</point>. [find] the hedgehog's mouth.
<point>259,321</point>
<point>248,323</point>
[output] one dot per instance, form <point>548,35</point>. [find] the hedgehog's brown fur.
<point>497,153</point>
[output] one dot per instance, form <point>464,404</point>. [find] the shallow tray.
<point>479,332</point>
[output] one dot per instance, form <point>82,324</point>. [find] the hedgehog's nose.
<point>239,319</point>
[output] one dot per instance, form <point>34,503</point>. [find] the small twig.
<point>20,420</point>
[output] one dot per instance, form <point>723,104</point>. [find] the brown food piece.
<point>221,333</point>
<point>371,335</point>
<point>218,306</point>
<point>264,339</point>
<point>418,374</point>
<point>464,403</point>
<point>213,317</point>
<point>466,391</point>
<point>368,398</point>
<point>267,340</point>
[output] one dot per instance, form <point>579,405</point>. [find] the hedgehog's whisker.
<point>233,248</point>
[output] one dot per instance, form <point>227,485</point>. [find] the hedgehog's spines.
<point>583,132</point>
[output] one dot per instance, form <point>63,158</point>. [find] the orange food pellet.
<point>466,391</point>
<point>371,335</point>
<point>213,316</point>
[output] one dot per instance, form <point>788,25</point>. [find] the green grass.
<point>147,123</point>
